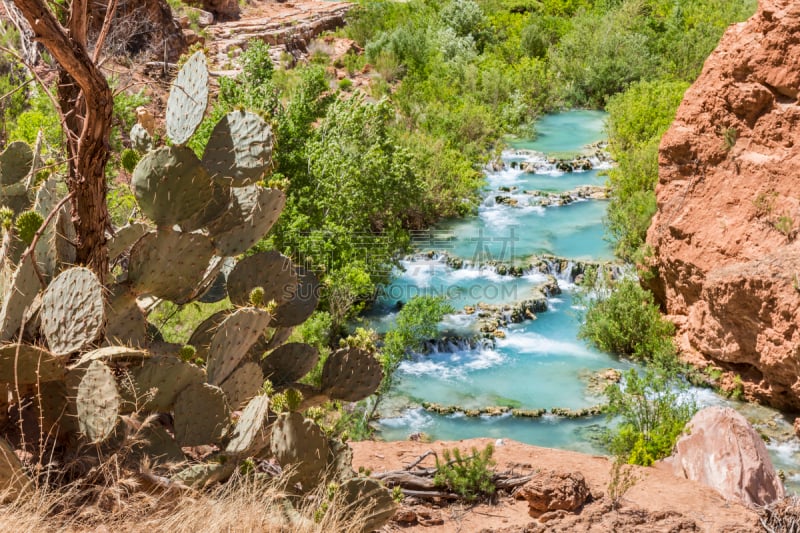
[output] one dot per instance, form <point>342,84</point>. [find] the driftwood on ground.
<point>419,482</point>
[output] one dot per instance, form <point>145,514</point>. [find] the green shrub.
<point>652,412</point>
<point>468,476</point>
<point>345,84</point>
<point>129,159</point>
<point>627,322</point>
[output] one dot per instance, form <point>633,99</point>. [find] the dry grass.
<point>243,505</point>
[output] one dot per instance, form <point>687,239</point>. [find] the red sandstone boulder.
<point>724,452</point>
<point>555,491</point>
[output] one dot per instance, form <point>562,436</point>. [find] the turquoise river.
<point>541,363</point>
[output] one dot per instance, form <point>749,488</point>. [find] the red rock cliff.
<point>726,249</point>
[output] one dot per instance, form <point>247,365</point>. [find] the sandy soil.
<point>670,503</point>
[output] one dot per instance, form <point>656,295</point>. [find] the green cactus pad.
<point>97,402</point>
<point>304,302</point>
<point>51,404</point>
<point>26,364</point>
<point>250,433</point>
<point>271,271</point>
<point>15,163</point>
<point>243,384</point>
<point>289,363</point>
<point>201,415</point>
<point>340,461</point>
<point>249,216</point>
<point>54,248</point>
<point>188,99</point>
<point>169,264</point>
<point>202,335</point>
<point>351,374</point>
<point>141,141</point>
<point>232,340</point>
<point>165,377</point>
<point>204,474</point>
<point>19,295</point>
<point>125,237</point>
<point>239,151</point>
<point>368,500</point>
<point>126,324</point>
<point>172,187</point>
<point>13,479</point>
<point>73,312</point>
<point>112,354</point>
<point>158,446</point>
<point>300,443</point>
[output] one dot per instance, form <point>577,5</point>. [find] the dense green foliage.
<point>649,404</point>
<point>627,322</point>
<point>469,476</point>
<point>652,411</point>
<point>637,120</point>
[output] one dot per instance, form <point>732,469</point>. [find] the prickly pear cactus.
<point>141,141</point>
<point>97,366</point>
<point>289,363</point>
<point>188,99</point>
<point>272,271</point>
<point>97,402</point>
<point>171,186</point>
<point>351,374</point>
<point>73,312</point>
<point>299,442</point>
<point>239,151</point>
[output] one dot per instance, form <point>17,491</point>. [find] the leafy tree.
<point>653,409</point>
<point>637,120</point>
<point>627,322</point>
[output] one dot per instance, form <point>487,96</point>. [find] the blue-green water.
<point>539,363</point>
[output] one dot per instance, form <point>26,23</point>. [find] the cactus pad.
<point>302,305</point>
<point>73,314</point>
<point>112,354</point>
<point>204,474</point>
<point>243,384</point>
<point>202,335</point>
<point>15,163</point>
<point>368,500</point>
<point>271,271</point>
<point>141,141</point>
<point>188,99</point>
<point>126,324</point>
<point>250,214</point>
<point>239,151</point>
<point>125,237</point>
<point>250,433</point>
<point>20,294</point>
<point>289,363</point>
<point>171,186</point>
<point>158,445</point>
<point>300,443</point>
<point>201,415</point>
<point>12,477</point>
<point>97,402</point>
<point>351,374</point>
<point>26,364</point>
<point>164,377</point>
<point>232,340</point>
<point>169,264</point>
<point>279,336</point>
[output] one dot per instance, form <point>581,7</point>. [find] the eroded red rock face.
<point>725,238</point>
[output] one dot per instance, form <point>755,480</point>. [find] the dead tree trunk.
<point>87,105</point>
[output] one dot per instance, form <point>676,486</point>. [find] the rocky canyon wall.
<point>725,237</point>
